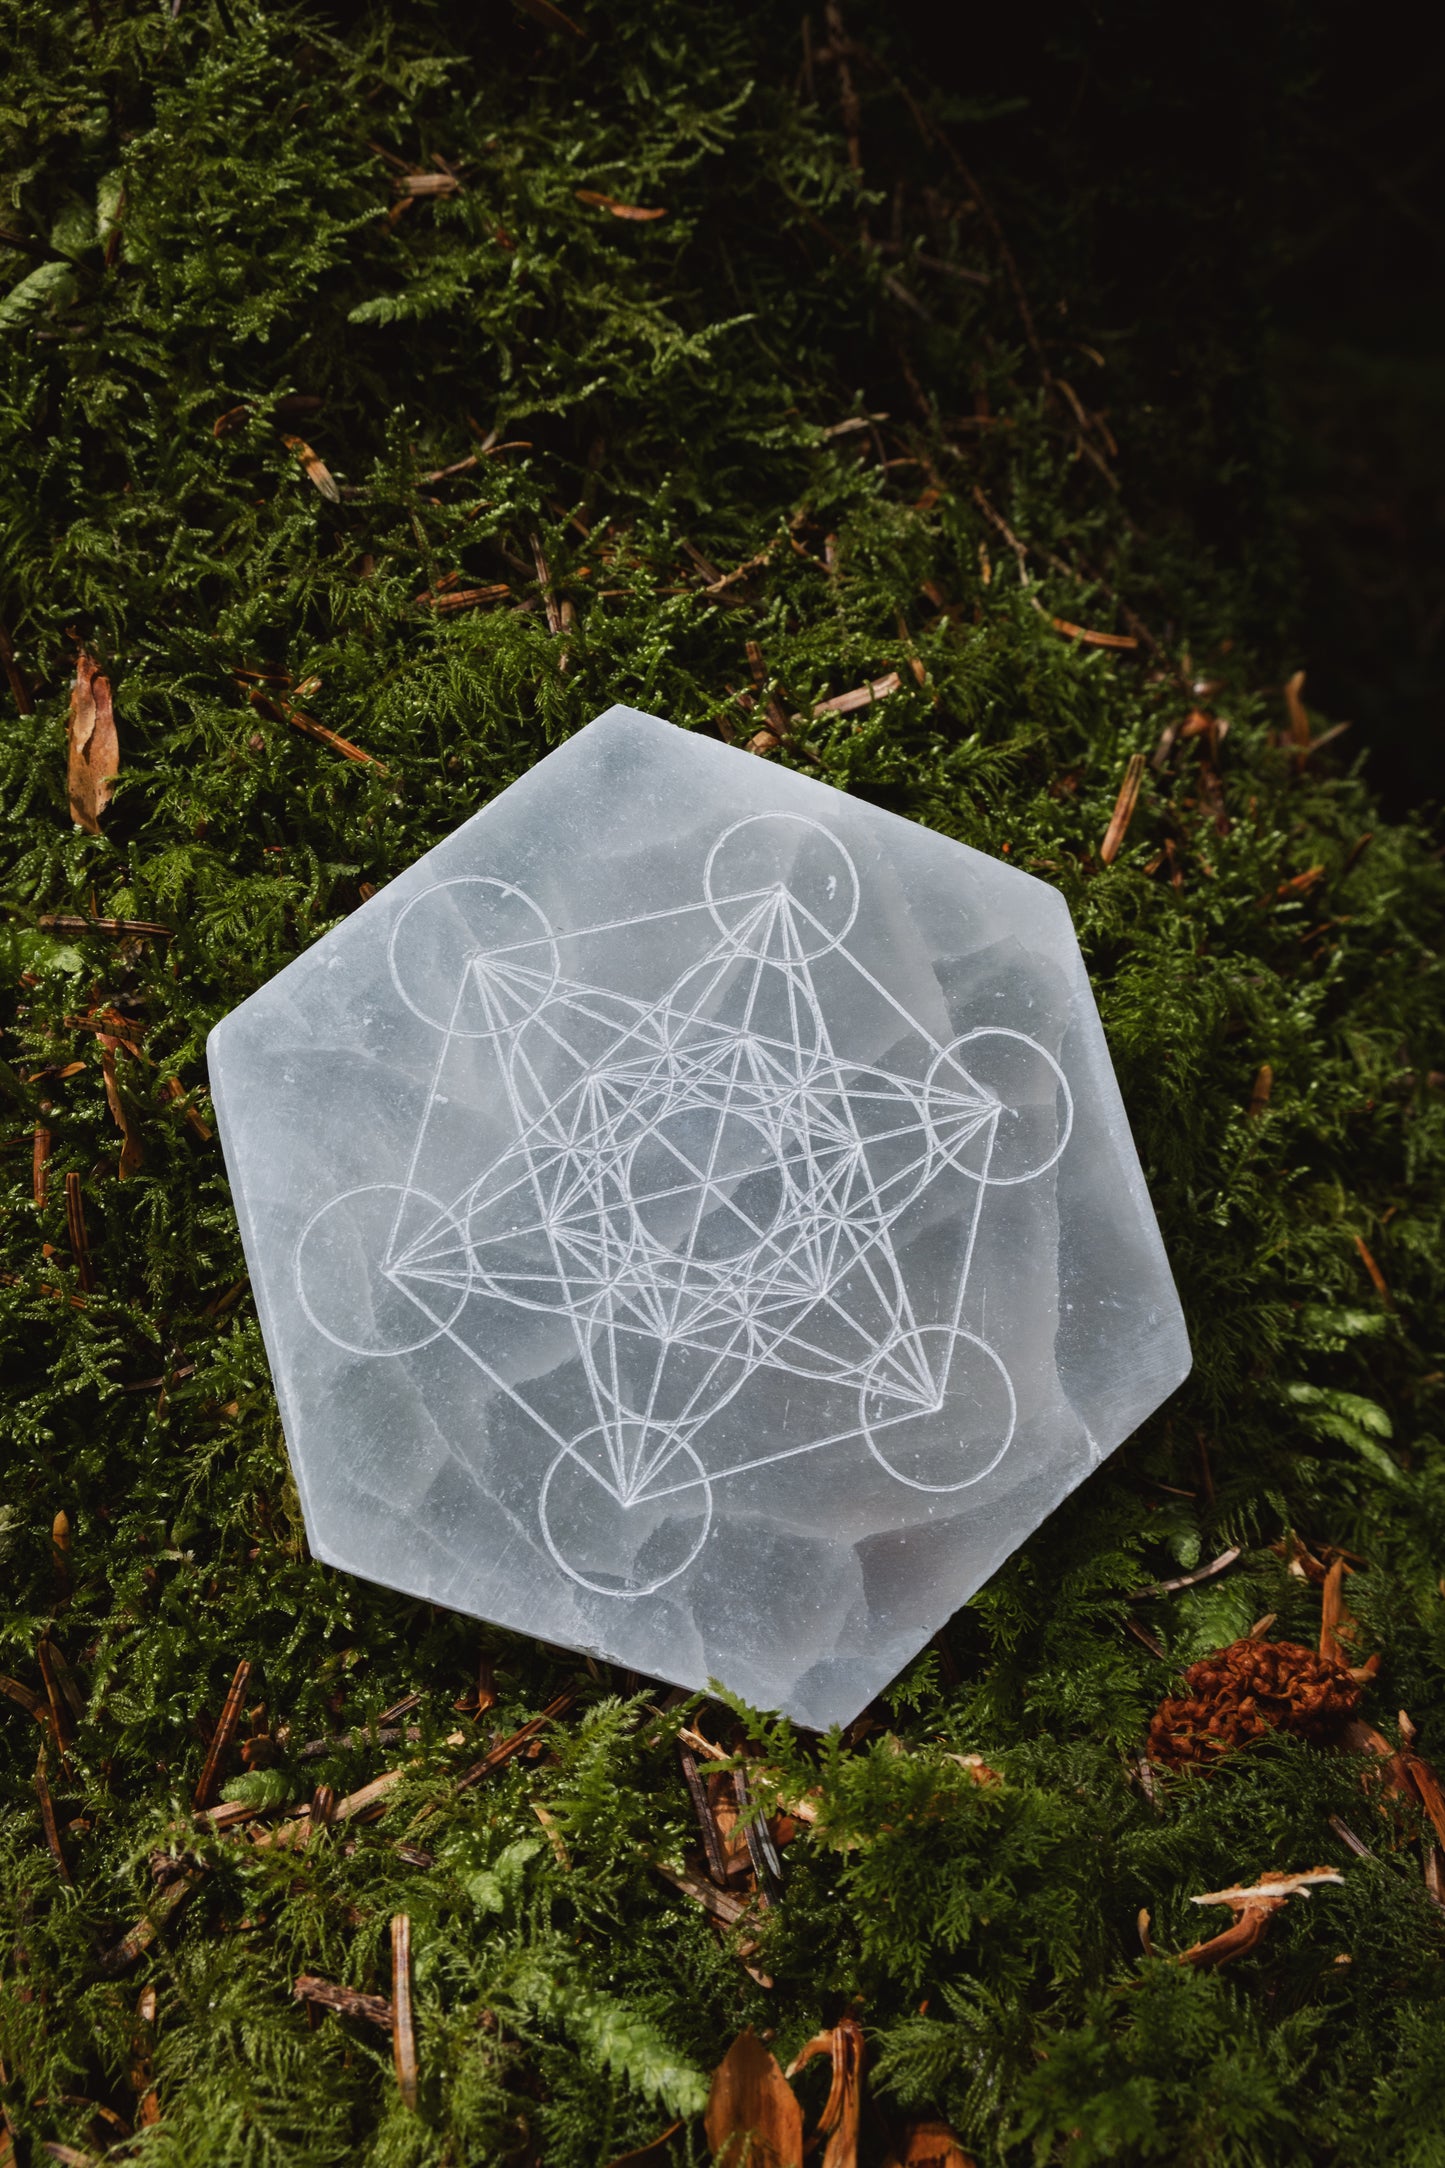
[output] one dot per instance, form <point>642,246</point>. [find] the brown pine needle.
<point>1123,812</point>
<point>1089,637</point>
<point>76,1229</point>
<point>403,2033</point>
<point>221,1738</point>
<point>1377,1276</point>
<point>40,1153</point>
<point>47,1818</point>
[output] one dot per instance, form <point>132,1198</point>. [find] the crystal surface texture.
<point>693,1219</point>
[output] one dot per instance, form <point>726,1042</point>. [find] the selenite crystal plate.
<point>693,1219</point>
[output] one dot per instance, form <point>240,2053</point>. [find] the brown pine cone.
<point>1246,1690</point>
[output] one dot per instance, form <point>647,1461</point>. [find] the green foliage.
<point>215,260</point>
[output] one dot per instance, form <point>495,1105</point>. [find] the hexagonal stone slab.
<point>693,1219</point>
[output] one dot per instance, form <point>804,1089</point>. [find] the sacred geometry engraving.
<point>693,1219</point>
<point>704,1186</point>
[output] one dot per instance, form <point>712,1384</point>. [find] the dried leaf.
<point>94,745</point>
<point>1333,1616</point>
<point>403,2026</point>
<point>316,468</point>
<point>843,2107</point>
<point>931,2145</point>
<point>752,2112</point>
<point>618,210</point>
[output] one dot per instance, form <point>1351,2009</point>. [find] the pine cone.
<point>1243,1692</point>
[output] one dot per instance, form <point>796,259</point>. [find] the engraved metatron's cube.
<point>693,1219</point>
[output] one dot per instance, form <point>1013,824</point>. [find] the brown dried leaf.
<point>843,2107</point>
<point>752,2111</point>
<point>930,2145</point>
<point>1334,1619</point>
<point>618,210</point>
<point>316,468</point>
<point>94,745</point>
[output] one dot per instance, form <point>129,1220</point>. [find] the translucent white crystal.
<point>693,1219</point>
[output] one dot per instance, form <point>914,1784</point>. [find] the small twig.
<point>222,1737</point>
<point>1189,1580</point>
<point>144,1933</point>
<point>739,572</point>
<point>722,1907</point>
<point>1347,1836</point>
<point>403,2034</point>
<point>345,2001</point>
<point>496,1757</point>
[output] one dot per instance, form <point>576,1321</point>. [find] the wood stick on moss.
<point>403,2033</point>
<point>1123,812</point>
<point>222,1737</point>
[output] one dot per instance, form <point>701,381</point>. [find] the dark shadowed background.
<point>1252,195</point>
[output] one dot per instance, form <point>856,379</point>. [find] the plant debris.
<point>1246,1691</point>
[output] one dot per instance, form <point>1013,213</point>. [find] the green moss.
<point>214,270</point>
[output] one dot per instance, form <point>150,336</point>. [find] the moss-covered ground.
<point>828,362</point>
